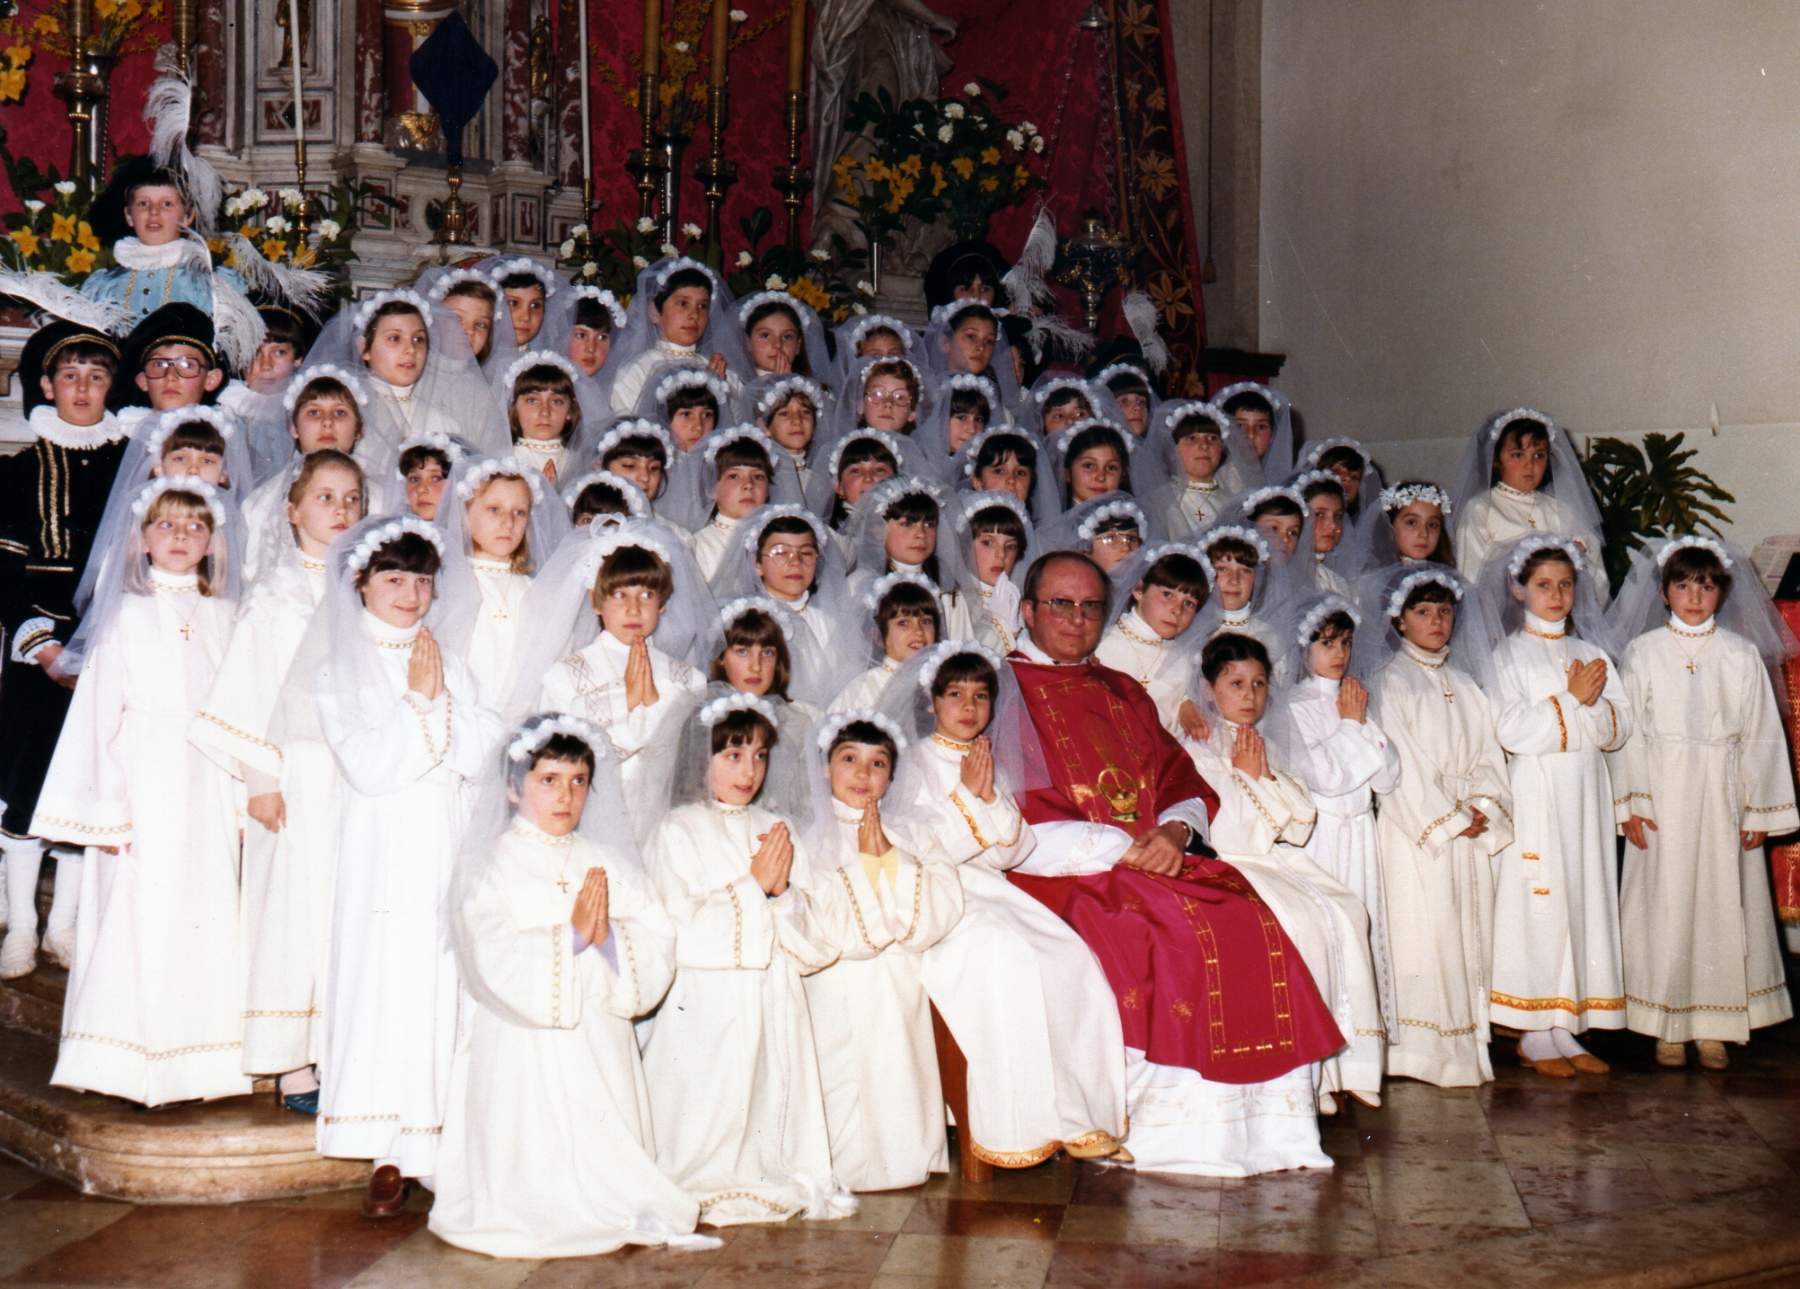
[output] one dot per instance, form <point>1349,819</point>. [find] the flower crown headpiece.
<point>1506,418</point>
<point>1106,374</point>
<point>539,730</point>
<point>607,300</point>
<point>1396,600</point>
<point>1259,496</point>
<point>692,378</point>
<point>671,267</point>
<point>1715,549</point>
<point>1150,555</point>
<point>758,604</point>
<point>217,417</point>
<point>1317,478</point>
<point>441,289</point>
<point>635,500</point>
<point>1110,510</point>
<point>207,493</point>
<point>835,724</point>
<point>1196,407</point>
<point>888,491</point>
<point>635,428</point>
<point>393,530</point>
<point>507,268</point>
<point>945,315</point>
<point>719,708</point>
<point>870,364</point>
<point>889,441</point>
<point>971,450</point>
<point>1529,546</point>
<point>620,536</point>
<point>1315,616</point>
<point>941,653</point>
<point>973,503</point>
<point>1062,441</point>
<point>1273,397</point>
<point>752,534</point>
<point>787,299</point>
<point>879,322</point>
<point>442,442</point>
<point>1057,384</point>
<point>879,588</point>
<point>736,434</point>
<point>359,321</point>
<point>784,389</point>
<point>537,358</point>
<point>981,385</point>
<point>298,385</point>
<point>477,477</point>
<point>1399,498</point>
<point>1251,536</point>
<point>1323,446</point>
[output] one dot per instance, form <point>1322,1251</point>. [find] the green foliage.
<point>1649,491</point>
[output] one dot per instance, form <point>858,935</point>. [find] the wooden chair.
<point>953,1075</point>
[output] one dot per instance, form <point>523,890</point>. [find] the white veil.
<point>458,594</point>
<point>1278,462</point>
<point>1565,483</point>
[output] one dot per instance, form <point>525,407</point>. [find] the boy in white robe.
<point>1261,828</point>
<point>738,1104</point>
<point>1029,1006</point>
<point>871,1019</point>
<point>547,1146</point>
<point>1440,824</point>
<point>1698,790</point>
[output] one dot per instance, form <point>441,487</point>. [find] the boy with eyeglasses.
<point>168,361</point>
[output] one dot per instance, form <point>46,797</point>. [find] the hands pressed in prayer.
<point>870,840</point>
<point>779,365</point>
<point>640,680</point>
<point>268,809</point>
<point>1634,827</point>
<point>716,365</point>
<point>550,471</point>
<point>1249,754</point>
<point>1587,680</point>
<point>425,667</point>
<point>590,918</point>
<point>46,658</point>
<point>1353,700</point>
<point>1752,840</point>
<point>978,770</point>
<point>1193,724</point>
<point>773,861</point>
<point>1159,851</point>
<point>1477,828</point>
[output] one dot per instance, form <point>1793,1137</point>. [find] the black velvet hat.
<point>178,323</point>
<point>39,356</point>
<point>107,214</point>
<point>956,264</point>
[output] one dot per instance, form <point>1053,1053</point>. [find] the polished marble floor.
<point>1646,1178</point>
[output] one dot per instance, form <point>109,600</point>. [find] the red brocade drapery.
<point>1204,975</point>
<point>1786,858</point>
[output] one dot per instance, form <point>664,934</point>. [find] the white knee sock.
<point>299,1082</point>
<point>1537,1045</point>
<point>24,857</point>
<point>1566,1044</point>
<point>68,890</point>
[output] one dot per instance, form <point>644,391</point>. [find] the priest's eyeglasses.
<point>1071,609</point>
<point>183,366</point>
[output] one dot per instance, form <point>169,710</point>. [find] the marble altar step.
<point>222,1152</point>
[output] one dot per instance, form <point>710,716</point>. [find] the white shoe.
<point>59,943</point>
<point>18,953</point>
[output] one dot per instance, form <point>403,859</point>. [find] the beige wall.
<point>1592,206</point>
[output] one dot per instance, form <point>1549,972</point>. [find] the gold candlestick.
<point>793,181</point>
<point>184,17</point>
<point>645,162</point>
<point>715,173</point>
<point>80,89</point>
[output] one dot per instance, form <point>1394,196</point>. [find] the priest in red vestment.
<point>1223,1024</point>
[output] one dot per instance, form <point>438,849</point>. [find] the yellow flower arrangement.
<point>52,236</point>
<point>26,240</point>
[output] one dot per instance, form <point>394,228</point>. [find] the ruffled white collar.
<point>483,564</point>
<point>164,581</point>
<point>845,813</point>
<point>133,254</point>
<point>1234,617</point>
<point>51,428</point>
<point>1203,485</point>
<point>385,633</point>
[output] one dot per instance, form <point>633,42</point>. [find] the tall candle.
<point>652,37</point>
<point>587,124</point>
<point>721,40</point>
<point>294,43</point>
<point>796,47</point>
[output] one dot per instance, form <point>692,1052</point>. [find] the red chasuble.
<point>1205,976</point>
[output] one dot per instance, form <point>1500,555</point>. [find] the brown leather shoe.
<point>1588,1063</point>
<point>1557,1067</point>
<point>1712,1054</point>
<point>387,1192</point>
